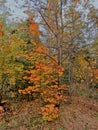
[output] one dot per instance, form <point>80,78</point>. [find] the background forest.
<point>49,66</point>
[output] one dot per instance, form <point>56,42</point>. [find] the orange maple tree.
<point>42,76</point>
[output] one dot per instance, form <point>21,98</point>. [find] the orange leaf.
<point>0,26</point>
<point>1,33</point>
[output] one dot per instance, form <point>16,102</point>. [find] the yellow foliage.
<point>49,112</point>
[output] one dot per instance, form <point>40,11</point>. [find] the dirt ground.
<point>80,114</point>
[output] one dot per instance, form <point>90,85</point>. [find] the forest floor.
<point>80,114</point>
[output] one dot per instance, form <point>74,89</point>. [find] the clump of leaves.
<point>49,112</point>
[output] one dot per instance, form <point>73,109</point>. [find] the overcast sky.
<point>17,8</point>
<point>96,3</point>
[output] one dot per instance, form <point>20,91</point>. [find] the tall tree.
<point>68,29</point>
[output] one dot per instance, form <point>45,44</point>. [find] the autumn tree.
<point>11,50</point>
<point>93,49</point>
<point>42,76</point>
<point>67,30</point>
